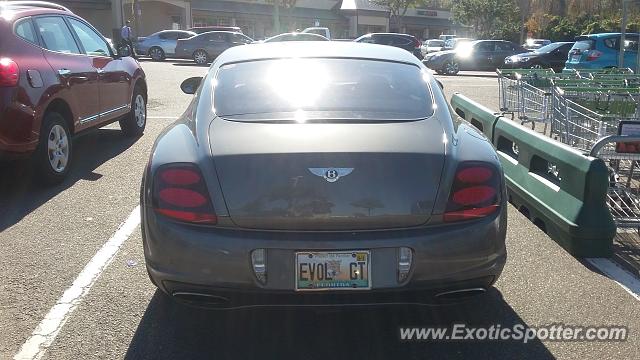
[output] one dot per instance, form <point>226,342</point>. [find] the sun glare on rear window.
<point>309,89</point>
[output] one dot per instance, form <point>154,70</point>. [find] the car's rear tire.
<point>451,67</point>
<point>536,66</point>
<point>134,123</point>
<point>52,158</point>
<point>156,54</point>
<point>200,57</point>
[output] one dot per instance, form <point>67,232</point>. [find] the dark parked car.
<point>474,55</point>
<point>403,41</point>
<point>161,44</point>
<point>207,46</point>
<point>204,29</point>
<point>264,195</point>
<point>58,78</point>
<point>552,56</point>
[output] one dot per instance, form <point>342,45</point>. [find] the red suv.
<point>58,78</point>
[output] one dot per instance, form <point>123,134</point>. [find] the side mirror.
<point>440,84</point>
<point>124,51</point>
<point>190,85</point>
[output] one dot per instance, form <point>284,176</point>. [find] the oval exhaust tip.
<point>201,299</point>
<point>460,294</point>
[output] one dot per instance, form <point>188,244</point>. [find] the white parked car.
<point>433,45</point>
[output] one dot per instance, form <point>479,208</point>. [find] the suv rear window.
<point>302,89</point>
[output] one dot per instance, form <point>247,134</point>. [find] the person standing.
<point>125,34</point>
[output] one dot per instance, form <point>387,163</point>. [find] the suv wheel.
<point>52,158</point>
<point>134,122</point>
<point>200,57</point>
<point>156,54</point>
<point>536,66</point>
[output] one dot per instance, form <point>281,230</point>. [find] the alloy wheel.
<point>200,57</point>
<point>139,110</point>
<point>156,54</point>
<point>58,148</point>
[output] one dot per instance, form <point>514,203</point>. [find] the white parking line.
<point>46,332</point>
<point>622,277</point>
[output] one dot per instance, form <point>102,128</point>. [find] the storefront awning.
<point>263,9</point>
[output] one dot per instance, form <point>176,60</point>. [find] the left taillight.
<point>475,192</point>
<point>180,193</point>
<point>9,72</point>
<point>416,43</point>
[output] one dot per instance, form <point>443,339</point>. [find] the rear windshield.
<point>583,45</point>
<point>306,89</point>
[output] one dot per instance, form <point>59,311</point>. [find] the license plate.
<point>333,270</point>
<point>575,58</point>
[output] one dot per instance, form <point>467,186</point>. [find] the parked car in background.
<point>533,44</point>
<point>552,56</point>
<point>204,29</point>
<point>295,36</point>
<point>323,31</point>
<point>59,77</point>
<point>254,206</point>
<point>451,44</point>
<point>601,51</point>
<point>447,37</point>
<point>474,55</point>
<point>403,41</point>
<point>433,45</point>
<point>205,47</point>
<point>162,44</point>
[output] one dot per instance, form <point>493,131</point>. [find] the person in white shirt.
<point>125,34</point>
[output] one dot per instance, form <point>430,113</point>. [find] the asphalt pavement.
<point>48,236</point>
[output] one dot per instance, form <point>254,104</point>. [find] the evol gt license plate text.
<point>339,270</point>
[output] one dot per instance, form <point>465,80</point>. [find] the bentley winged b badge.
<point>331,174</point>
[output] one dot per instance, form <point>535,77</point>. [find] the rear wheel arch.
<point>61,107</point>
<point>142,85</point>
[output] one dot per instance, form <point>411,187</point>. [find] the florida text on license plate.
<point>337,270</point>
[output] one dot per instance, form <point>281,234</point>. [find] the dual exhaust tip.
<point>220,302</point>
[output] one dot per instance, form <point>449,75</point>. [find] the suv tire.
<point>135,121</point>
<point>52,158</point>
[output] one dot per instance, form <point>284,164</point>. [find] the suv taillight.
<point>416,43</point>
<point>180,193</point>
<point>475,192</point>
<point>9,72</point>
<point>593,55</point>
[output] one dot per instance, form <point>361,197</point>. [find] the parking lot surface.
<point>48,236</point>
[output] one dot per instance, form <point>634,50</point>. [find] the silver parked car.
<point>321,173</point>
<point>162,44</point>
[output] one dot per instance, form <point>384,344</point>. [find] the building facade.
<point>345,18</point>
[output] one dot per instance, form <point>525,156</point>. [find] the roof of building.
<point>361,5</point>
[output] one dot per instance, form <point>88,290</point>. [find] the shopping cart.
<point>581,116</point>
<point>621,153</point>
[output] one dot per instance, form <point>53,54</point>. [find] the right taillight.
<point>180,193</point>
<point>475,192</point>
<point>593,55</point>
<point>9,72</point>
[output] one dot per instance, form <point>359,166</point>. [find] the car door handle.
<point>100,71</point>
<point>64,72</point>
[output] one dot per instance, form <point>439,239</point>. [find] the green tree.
<point>398,8</point>
<point>489,18</point>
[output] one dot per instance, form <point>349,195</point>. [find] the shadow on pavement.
<point>20,194</point>
<point>172,331</point>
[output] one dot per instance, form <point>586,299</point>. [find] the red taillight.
<point>9,72</point>
<point>416,43</point>
<point>475,192</point>
<point>593,55</point>
<point>180,193</point>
